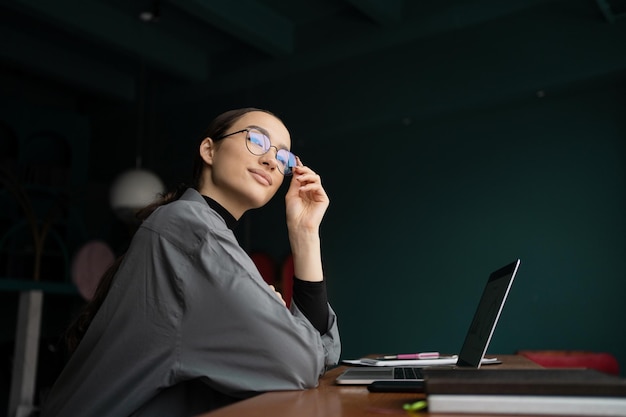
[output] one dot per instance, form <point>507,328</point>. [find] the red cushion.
<point>600,361</point>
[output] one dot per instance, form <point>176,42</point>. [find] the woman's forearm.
<point>307,257</point>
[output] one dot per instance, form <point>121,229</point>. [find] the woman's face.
<point>236,178</point>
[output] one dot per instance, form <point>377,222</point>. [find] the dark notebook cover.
<point>581,382</point>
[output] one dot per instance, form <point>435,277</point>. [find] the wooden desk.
<point>330,400</point>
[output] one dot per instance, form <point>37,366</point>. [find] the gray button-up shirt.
<point>188,325</point>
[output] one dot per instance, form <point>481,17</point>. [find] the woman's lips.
<point>261,176</point>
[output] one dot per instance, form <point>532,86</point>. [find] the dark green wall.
<point>448,157</point>
<point>544,182</point>
<point>422,212</point>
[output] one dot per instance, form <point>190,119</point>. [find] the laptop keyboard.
<point>407,373</point>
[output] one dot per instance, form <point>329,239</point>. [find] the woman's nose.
<point>269,159</point>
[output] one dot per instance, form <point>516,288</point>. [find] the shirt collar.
<point>229,219</point>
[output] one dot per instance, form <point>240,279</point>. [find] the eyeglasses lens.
<point>259,144</point>
<point>286,160</point>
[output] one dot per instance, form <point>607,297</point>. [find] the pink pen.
<point>422,355</point>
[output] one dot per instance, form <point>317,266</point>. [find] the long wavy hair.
<point>216,129</point>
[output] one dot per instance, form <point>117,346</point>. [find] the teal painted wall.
<point>422,212</point>
<point>450,156</point>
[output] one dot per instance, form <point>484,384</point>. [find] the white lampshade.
<point>133,190</point>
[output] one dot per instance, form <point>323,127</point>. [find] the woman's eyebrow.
<point>266,133</point>
<point>260,129</point>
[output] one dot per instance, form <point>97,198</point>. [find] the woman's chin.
<point>259,202</point>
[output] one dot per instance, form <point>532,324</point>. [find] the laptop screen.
<point>486,316</point>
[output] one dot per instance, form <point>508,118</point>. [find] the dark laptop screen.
<point>486,316</point>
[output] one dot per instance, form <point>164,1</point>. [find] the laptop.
<point>476,340</point>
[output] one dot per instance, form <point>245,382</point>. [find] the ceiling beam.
<point>384,12</point>
<point>55,62</point>
<point>607,11</point>
<point>249,21</point>
<point>103,23</point>
<point>421,26</point>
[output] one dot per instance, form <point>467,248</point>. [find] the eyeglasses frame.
<point>247,130</point>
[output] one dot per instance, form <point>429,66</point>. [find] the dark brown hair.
<point>216,129</point>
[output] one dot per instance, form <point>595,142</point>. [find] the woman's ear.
<point>207,148</point>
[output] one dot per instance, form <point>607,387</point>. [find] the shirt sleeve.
<point>312,299</point>
<point>238,335</point>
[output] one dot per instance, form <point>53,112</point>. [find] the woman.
<point>185,323</point>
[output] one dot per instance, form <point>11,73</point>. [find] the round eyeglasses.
<point>259,144</point>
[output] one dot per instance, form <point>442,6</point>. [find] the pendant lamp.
<point>132,190</point>
<point>135,188</point>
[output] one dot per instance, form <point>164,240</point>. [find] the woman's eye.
<point>256,140</point>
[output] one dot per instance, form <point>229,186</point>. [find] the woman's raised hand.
<point>306,200</point>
